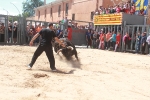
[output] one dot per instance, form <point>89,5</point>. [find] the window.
<point>92,15</point>
<point>45,13</point>
<point>51,12</point>
<point>73,16</point>
<point>39,14</point>
<point>67,6</point>
<point>59,10</point>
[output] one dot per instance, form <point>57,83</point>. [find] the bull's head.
<point>67,52</point>
<point>65,49</point>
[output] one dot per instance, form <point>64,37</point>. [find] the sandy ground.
<point>100,75</point>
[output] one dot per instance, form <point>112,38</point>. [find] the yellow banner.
<point>108,19</point>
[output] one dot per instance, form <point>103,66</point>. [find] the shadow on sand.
<point>58,71</point>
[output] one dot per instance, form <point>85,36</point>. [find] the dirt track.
<point>100,75</point>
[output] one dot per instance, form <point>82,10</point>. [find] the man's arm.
<point>35,36</point>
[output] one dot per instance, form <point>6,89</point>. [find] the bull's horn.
<point>60,50</point>
<point>70,47</point>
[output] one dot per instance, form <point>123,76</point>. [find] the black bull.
<point>67,51</point>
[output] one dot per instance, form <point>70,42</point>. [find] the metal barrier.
<point>110,28</point>
<point>9,35</point>
<point>132,30</point>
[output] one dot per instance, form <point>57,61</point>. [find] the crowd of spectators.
<point>127,7</point>
<point>112,41</point>
<point>31,30</point>
<point>12,32</point>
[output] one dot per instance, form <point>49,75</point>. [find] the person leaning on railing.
<point>2,30</point>
<point>148,41</point>
<point>143,42</point>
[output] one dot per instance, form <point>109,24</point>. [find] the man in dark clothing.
<point>126,40</point>
<point>15,33</point>
<point>88,38</point>
<point>45,45</point>
<point>143,42</point>
<point>10,33</point>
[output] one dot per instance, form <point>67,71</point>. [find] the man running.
<point>45,45</point>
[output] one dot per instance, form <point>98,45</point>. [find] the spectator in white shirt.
<point>148,41</point>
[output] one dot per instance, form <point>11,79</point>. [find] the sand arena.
<point>100,75</point>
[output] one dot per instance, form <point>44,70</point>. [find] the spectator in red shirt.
<point>118,37</point>
<point>132,9</point>
<point>69,33</point>
<point>101,38</point>
<point>126,40</point>
<point>127,8</point>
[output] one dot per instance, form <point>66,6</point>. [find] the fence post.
<point>124,27</point>
<point>12,29</point>
<point>6,29</point>
<point>132,37</point>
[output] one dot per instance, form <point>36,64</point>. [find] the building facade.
<point>81,10</point>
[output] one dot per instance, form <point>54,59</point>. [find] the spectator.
<point>143,42</point>
<point>60,35</point>
<point>9,33</point>
<point>97,40</point>
<point>2,31</point>
<point>58,31</point>
<point>138,40</point>
<point>94,39</point>
<point>101,38</point>
<point>118,37</point>
<point>118,9</point>
<point>92,32</point>
<point>69,30</point>
<point>88,38</point>
<point>126,40</point>
<point>132,9</point>
<point>113,40</point>
<point>148,42</point>
<point>141,12</point>
<point>107,43</point>
<point>112,10</point>
<point>15,33</point>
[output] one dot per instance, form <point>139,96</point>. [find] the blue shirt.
<point>114,37</point>
<point>88,35</point>
<point>143,39</point>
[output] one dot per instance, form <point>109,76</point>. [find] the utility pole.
<point>44,2</point>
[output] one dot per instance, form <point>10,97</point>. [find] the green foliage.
<point>29,6</point>
<point>25,14</point>
<point>14,18</point>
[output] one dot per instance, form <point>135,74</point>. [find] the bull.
<point>67,51</point>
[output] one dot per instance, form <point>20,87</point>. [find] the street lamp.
<point>6,11</point>
<point>16,8</point>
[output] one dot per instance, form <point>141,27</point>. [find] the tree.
<point>25,14</point>
<point>30,5</point>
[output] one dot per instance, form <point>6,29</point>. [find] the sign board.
<point>108,19</point>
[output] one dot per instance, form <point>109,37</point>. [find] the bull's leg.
<point>76,55</point>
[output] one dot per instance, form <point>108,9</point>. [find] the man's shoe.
<point>54,70</point>
<point>29,67</point>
